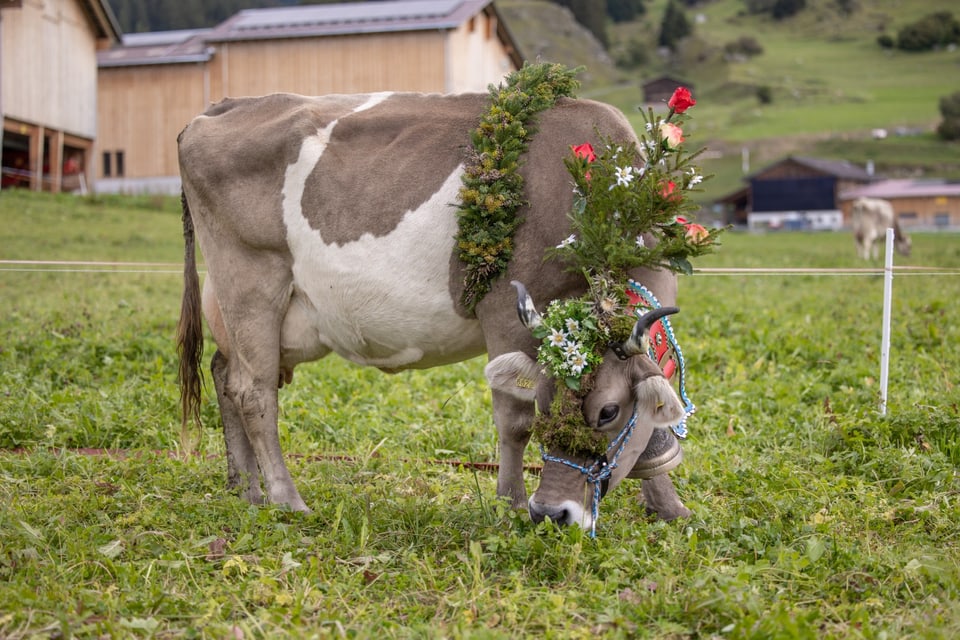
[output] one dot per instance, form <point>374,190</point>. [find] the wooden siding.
<point>477,57</point>
<point>142,110</point>
<point>410,61</point>
<point>49,70</point>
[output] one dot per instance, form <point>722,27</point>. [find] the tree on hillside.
<point>625,10</point>
<point>949,129</point>
<point>674,27</point>
<point>778,9</point>
<point>592,14</point>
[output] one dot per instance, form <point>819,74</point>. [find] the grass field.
<point>814,516</point>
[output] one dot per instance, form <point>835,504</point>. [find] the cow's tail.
<point>189,332</point>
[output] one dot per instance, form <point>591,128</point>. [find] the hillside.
<point>830,83</point>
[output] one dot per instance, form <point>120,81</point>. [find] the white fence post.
<point>885,339</point>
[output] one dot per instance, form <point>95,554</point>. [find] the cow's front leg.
<point>661,498</point>
<point>242,470</point>
<point>513,418</point>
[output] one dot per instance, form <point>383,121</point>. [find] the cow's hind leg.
<point>242,470</point>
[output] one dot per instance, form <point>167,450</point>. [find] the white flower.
<point>570,349</point>
<point>572,325</point>
<point>640,242</point>
<point>556,338</point>
<point>695,178</point>
<point>624,176</point>
<point>567,242</point>
<point>576,363</point>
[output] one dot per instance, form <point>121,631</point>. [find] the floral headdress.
<point>631,209</point>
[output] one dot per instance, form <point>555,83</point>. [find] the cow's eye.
<point>608,414</point>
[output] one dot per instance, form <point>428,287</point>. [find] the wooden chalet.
<point>48,90</point>
<point>926,204</point>
<point>153,84</point>
<point>656,91</point>
<point>796,192</point>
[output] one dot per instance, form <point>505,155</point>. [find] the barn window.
<point>107,167</point>
<point>941,219</point>
<point>119,164</point>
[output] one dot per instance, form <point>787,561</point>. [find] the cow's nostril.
<point>558,515</point>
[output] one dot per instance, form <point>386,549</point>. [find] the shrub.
<point>746,46</point>
<point>786,8</point>
<point>949,129</point>
<point>764,94</point>
<point>934,30</point>
<point>886,41</point>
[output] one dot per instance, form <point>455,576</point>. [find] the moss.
<point>564,427</point>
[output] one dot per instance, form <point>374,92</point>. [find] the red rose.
<point>584,151</point>
<point>667,191</point>
<point>681,100</point>
<point>696,232</point>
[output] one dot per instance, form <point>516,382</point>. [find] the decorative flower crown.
<point>630,210</point>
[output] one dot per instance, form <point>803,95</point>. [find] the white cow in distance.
<point>871,218</point>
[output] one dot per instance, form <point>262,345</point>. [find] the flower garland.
<point>492,191</point>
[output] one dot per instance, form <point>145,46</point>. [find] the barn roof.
<point>102,18</point>
<point>158,47</point>
<point>905,188</point>
<point>837,168</point>
<point>347,18</point>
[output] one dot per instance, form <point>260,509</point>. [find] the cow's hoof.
<point>667,515</point>
<point>662,454</point>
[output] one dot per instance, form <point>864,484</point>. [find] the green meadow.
<point>814,516</point>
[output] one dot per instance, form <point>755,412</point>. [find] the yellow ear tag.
<point>525,383</point>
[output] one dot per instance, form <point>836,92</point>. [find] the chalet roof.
<point>836,168</point>
<point>351,18</point>
<point>158,47</point>
<point>905,188</point>
<point>102,18</point>
<point>346,19</point>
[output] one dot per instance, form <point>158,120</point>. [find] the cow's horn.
<point>528,313</point>
<point>635,343</point>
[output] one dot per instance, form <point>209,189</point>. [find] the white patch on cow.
<point>573,513</point>
<point>378,301</point>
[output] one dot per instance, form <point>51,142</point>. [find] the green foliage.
<point>625,10</point>
<point>674,26</point>
<point>492,191</point>
<point>949,127</point>
<point>934,30</point>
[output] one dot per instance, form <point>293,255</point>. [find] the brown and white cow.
<point>871,217</point>
<point>327,225</point>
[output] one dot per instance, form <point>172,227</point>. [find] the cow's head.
<point>605,425</point>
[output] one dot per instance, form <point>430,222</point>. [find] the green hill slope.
<point>830,85</point>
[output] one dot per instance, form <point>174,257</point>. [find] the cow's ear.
<point>516,374</point>
<point>657,402</point>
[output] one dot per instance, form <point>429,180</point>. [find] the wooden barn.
<point>656,91</point>
<point>919,204</point>
<point>794,193</point>
<point>48,90</point>
<point>154,83</point>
